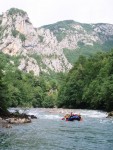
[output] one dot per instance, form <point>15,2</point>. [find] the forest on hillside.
<point>88,85</point>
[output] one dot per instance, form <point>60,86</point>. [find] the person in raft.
<point>72,117</point>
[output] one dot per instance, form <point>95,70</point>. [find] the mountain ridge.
<point>53,47</point>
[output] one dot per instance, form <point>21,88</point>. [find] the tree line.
<point>22,89</point>
<point>88,85</point>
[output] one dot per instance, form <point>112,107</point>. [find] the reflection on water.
<point>49,132</point>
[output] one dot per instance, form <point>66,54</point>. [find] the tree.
<point>89,84</point>
<point>3,87</point>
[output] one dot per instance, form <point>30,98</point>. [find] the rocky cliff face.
<point>42,49</point>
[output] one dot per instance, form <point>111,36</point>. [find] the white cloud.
<point>42,12</point>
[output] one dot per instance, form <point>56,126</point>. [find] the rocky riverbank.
<point>7,118</point>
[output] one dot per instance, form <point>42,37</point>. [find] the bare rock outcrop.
<point>42,49</point>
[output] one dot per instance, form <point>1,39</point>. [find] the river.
<point>50,132</point>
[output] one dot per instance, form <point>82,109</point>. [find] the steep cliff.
<point>52,47</point>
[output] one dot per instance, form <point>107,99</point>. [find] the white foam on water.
<point>47,116</point>
<point>103,121</point>
<point>94,114</point>
<point>41,114</point>
<point>32,112</point>
<point>44,114</point>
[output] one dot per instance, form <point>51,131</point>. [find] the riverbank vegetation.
<point>20,89</point>
<point>89,84</point>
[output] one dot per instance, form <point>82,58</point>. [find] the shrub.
<point>0,21</point>
<point>14,33</point>
<point>22,37</point>
<point>14,11</point>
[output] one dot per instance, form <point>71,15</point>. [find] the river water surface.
<point>50,132</point>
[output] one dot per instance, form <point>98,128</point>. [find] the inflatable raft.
<point>72,117</point>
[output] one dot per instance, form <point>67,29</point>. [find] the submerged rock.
<point>32,116</point>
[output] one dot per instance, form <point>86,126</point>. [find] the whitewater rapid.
<point>54,113</point>
<point>50,132</point>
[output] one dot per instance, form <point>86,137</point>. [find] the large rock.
<point>15,118</point>
<point>19,120</point>
<point>43,49</point>
<point>110,114</point>
<point>4,124</point>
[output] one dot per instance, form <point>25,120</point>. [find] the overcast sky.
<point>43,12</point>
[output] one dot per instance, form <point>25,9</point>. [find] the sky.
<point>43,12</point>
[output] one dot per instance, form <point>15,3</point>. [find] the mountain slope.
<point>50,48</point>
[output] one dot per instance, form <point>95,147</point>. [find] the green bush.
<point>0,21</point>
<point>14,11</point>
<point>48,102</point>
<point>22,37</point>
<point>14,33</point>
<point>41,38</point>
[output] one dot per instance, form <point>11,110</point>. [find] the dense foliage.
<point>24,89</point>
<point>86,50</point>
<point>3,103</point>
<point>14,11</point>
<point>89,84</point>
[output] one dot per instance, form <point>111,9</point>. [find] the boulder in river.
<point>110,114</point>
<point>32,116</point>
<point>14,118</point>
<point>19,120</point>
<point>4,123</point>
